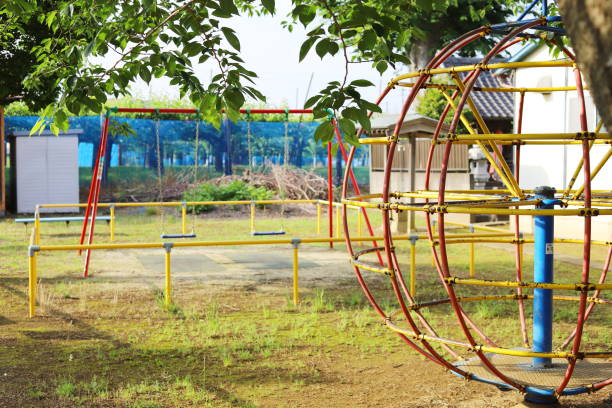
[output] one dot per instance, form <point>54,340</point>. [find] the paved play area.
<point>240,266</point>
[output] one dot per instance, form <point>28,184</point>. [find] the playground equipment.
<point>532,366</point>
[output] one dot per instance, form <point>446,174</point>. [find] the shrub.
<point>235,191</point>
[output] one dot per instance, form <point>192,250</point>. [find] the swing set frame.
<point>93,198</point>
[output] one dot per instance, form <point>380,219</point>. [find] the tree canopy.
<point>163,38</point>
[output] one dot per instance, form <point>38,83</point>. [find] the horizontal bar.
<point>371,267</point>
<point>525,136</point>
<point>59,219</point>
<point>180,203</point>
<point>465,68</point>
<point>463,299</point>
<point>492,89</point>
<point>476,210</point>
<point>532,285</point>
<point>195,111</point>
<point>496,350</point>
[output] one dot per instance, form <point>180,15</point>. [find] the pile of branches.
<point>289,183</point>
<point>174,184</point>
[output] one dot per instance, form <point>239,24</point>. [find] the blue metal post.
<point>543,272</point>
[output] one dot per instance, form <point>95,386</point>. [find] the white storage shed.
<point>44,170</point>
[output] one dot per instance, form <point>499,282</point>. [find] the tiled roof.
<point>491,105</point>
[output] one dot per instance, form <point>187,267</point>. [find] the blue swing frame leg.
<point>543,298</point>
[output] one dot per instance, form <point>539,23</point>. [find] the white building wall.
<point>558,112</point>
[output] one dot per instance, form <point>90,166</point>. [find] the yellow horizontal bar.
<point>528,142</point>
<point>524,136</point>
<point>483,348</point>
<point>180,203</point>
<point>465,68</point>
<point>371,268</point>
<point>491,89</point>
<point>374,140</point>
<point>463,299</point>
<point>533,285</point>
<point>476,226</point>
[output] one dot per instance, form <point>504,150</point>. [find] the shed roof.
<point>491,105</point>
<point>44,133</point>
<point>413,124</point>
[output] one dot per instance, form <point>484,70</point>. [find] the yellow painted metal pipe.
<point>112,223</point>
<point>168,279</point>
<point>318,219</point>
<point>338,234</point>
<point>433,233</point>
<point>184,218</point>
<point>505,169</point>
<point>296,287</point>
<point>594,172</point>
<point>32,282</point>
<point>252,218</point>
<point>491,89</point>
<point>497,350</point>
<point>525,136</point>
<point>413,268</point>
<point>466,68</point>
<point>534,142</point>
<point>179,203</point>
<point>533,285</point>
<point>37,226</point>
<point>472,267</point>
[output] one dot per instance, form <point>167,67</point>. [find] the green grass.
<point>102,342</point>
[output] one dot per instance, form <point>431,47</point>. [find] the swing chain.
<point>249,147</point>
<point>195,171</point>
<point>159,170</point>
<point>286,158</point>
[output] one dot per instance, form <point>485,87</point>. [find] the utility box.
<point>44,169</point>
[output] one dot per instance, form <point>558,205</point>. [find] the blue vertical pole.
<point>543,272</point>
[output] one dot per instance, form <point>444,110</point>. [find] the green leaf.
<point>368,40</point>
<point>61,119</point>
<point>369,105</point>
<point>311,101</point>
<point>145,74</point>
<point>323,47</point>
<point>424,4</point>
<point>347,126</point>
<point>362,83</point>
<point>39,125</point>
<point>306,46</point>
<point>324,132</point>
<point>381,66</point>
<point>231,38</point>
<point>53,127</point>
<point>228,7</point>
<point>269,5</point>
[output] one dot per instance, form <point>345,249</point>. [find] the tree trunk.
<point>589,25</point>
<point>218,159</point>
<point>107,161</point>
<point>420,54</point>
<point>338,167</point>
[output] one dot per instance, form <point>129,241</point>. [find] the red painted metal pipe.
<point>94,179</point>
<point>193,111</point>
<point>351,174</point>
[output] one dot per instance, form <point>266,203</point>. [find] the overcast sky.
<point>272,52</point>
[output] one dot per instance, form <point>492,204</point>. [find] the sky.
<point>272,52</point>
